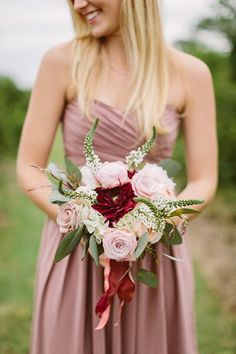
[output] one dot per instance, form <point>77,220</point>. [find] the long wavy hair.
<point>146,50</point>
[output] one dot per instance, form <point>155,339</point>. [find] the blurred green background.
<point>212,233</point>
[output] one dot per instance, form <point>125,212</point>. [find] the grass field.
<point>20,227</point>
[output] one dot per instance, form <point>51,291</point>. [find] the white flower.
<point>94,222</point>
<point>88,179</point>
<point>86,195</point>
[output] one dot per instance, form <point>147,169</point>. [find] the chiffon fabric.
<point>158,320</point>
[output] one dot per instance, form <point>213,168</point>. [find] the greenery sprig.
<point>92,160</point>
<point>80,193</point>
<point>135,157</point>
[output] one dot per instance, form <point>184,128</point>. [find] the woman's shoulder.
<point>191,66</point>
<point>60,54</point>
<point>58,61</point>
<point>192,72</point>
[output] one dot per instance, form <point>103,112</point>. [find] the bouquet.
<point>118,210</point>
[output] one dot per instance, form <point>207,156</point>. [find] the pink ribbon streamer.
<point>104,318</point>
<point>117,280</point>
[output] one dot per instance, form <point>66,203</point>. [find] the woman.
<point>120,61</point>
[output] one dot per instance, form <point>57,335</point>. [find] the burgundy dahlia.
<point>114,203</point>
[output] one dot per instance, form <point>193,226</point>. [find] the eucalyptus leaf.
<point>147,277</point>
<point>172,167</point>
<point>142,243</point>
<point>94,249</point>
<point>72,170</point>
<point>57,172</point>
<point>69,243</point>
<point>57,198</point>
<point>53,181</point>
<point>181,211</point>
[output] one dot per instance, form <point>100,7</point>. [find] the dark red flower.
<point>114,203</point>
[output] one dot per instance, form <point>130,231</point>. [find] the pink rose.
<point>68,218</point>
<point>112,174</point>
<point>153,182</point>
<point>119,244</point>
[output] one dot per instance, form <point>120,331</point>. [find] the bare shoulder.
<point>191,66</point>
<point>59,55</point>
<point>57,60</point>
<point>196,78</point>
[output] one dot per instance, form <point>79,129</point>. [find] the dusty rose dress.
<point>157,321</point>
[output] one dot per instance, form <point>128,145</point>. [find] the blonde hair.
<point>145,47</point>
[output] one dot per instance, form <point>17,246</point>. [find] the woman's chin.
<point>98,32</point>
<point>102,32</point>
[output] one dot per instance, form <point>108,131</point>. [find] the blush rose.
<point>112,174</point>
<point>152,182</point>
<point>68,218</point>
<point>119,244</point>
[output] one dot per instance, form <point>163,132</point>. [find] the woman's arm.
<point>42,118</point>
<point>200,133</point>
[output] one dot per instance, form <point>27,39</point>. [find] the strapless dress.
<point>158,320</point>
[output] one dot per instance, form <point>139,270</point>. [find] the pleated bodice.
<point>114,138</point>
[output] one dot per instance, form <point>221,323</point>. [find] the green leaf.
<point>69,243</point>
<point>172,167</point>
<point>86,237</point>
<point>147,277</point>
<point>94,249</point>
<point>57,198</point>
<point>142,243</point>
<point>100,248</point>
<point>56,172</point>
<point>176,239</point>
<point>171,236</point>
<point>183,211</point>
<point>164,240</point>
<point>72,170</point>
